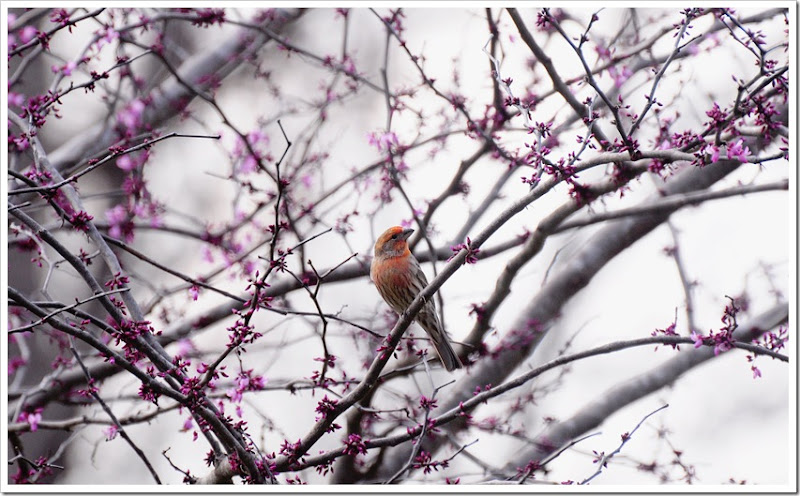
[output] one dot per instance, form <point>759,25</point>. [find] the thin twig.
<point>111,415</point>
<point>66,308</point>
<point>602,462</point>
<point>74,177</point>
<point>673,202</point>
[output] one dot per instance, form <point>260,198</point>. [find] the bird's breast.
<point>392,271</point>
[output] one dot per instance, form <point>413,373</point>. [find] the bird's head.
<point>393,242</point>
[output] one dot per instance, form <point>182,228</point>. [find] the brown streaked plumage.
<point>399,279</point>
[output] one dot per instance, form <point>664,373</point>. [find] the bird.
<point>399,279</point>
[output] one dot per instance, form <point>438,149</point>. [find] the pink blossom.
<point>620,77</point>
<point>382,141</point>
<point>120,224</point>
<point>721,348</point>
<point>16,99</point>
<point>235,395</point>
<point>738,151</point>
<point>257,383</point>
<point>111,432</point>
<point>15,363</point>
<point>131,116</point>
<point>126,163</point>
<point>207,255</point>
<point>194,291</point>
<point>714,153</point>
<point>32,418</point>
<point>697,338</point>
<point>238,146</point>
<point>602,52</point>
<point>140,210</point>
<point>109,35</point>
<point>410,221</point>
<point>239,214</point>
<point>117,214</point>
<point>348,65</point>
<point>248,165</point>
<point>184,347</point>
<point>21,142</point>
<point>156,220</point>
<point>257,136</point>
<point>248,267</point>
<point>12,18</point>
<point>69,68</point>
<point>28,33</point>
<point>330,95</point>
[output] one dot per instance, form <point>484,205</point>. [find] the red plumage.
<point>399,279</point>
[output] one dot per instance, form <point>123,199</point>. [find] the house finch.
<point>399,279</point>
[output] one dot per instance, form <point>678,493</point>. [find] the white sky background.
<point>726,424</point>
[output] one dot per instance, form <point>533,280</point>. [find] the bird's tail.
<point>447,355</point>
<point>446,352</point>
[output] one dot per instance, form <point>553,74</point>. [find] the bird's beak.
<point>407,233</point>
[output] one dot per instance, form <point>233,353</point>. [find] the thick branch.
<point>549,302</point>
<point>171,95</point>
<point>621,395</point>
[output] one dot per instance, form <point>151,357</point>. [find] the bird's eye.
<point>394,236</point>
